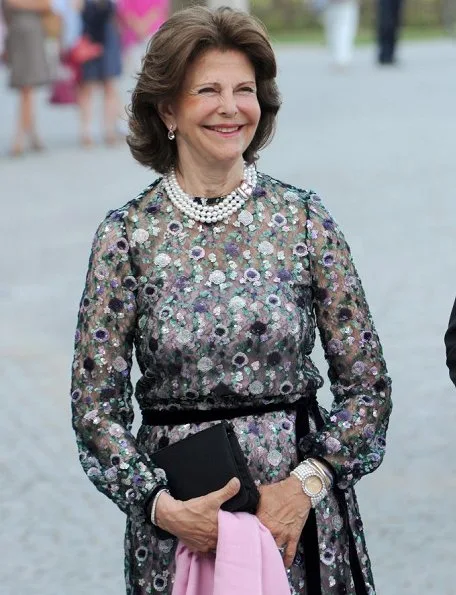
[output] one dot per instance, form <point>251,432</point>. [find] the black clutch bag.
<point>204,462</point>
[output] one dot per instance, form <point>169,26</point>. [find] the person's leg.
<point>126,87</point>
<point>385,31</point>
<point>396,17</point>
<point>24,120</point>
<point>346,31</point>
<point>85,97</point>
<point>111,110</point>
<point>381,28</point>
<point>341,24</point>
<point>132,62</point>
<point>30,119</point>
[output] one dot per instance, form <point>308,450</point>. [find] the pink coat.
<point>247,561</point>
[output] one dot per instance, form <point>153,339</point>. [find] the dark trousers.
<point>388,23</point>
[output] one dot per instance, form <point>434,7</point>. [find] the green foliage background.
<point>290,15</point>
<point>292,20</point>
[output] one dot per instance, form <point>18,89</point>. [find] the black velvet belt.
<point>309,536</point>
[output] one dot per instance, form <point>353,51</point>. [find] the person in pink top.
<point>140,19</point>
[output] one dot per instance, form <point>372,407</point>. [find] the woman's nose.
<point>229,104</point>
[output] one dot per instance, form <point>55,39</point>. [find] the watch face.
<point>313,485</point>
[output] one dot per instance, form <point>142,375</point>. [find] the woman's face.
<point>217,112</point>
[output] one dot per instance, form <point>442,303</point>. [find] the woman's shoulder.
<point>314,214</point>
<point>306,198</point>
<point>128,216</point>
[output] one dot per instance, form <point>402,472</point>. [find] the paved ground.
<point>381,146</point>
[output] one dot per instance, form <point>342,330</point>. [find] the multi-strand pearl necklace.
<point>205,213</point>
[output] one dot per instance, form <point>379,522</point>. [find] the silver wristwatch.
<point>313,481</point>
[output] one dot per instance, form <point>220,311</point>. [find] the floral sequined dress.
<point>224,316</point>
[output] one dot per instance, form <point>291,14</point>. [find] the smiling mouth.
<point>225,129</point>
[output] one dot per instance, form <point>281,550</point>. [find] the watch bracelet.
<point>302,476</point>
<point>305,470</point>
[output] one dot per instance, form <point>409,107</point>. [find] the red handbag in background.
<point>64,92</point>
<point>84,50</point>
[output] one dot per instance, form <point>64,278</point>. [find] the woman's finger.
<point>226,493</point>
<point>290,553</point>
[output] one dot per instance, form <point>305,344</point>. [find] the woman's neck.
<point>209,180</point>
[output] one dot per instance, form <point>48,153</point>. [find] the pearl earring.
<point>171,134</point>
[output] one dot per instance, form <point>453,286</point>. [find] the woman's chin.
<point>228,157</point>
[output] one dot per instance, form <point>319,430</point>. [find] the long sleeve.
<point>450,345</point>
<point>353,439</point>
<point>102,412</point>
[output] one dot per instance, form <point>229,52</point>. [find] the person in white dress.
<point>340,20</point>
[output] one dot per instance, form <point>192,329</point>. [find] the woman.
<point>221,300</point>
<point>26,58</point>
<point>100,25</point>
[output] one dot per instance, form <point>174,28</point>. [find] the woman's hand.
<point>284,509</point>
<point>194,522</point>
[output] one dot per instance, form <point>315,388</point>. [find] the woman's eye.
<point>207,90</point>
<point>247,89</point>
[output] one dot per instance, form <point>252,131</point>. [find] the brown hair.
<point>179,41</point>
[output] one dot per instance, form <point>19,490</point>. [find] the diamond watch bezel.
<point>303,472</point>
<point>307,490</point>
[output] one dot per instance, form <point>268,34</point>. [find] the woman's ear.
<point>166,114</point>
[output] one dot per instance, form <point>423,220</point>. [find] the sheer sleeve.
<point>102,412</point>
<point>353,439</point>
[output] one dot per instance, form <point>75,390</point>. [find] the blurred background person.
<point>389,14</point>
<point>64,90</point>
<point>70,14</point>
<point>74,49</point>
<point>99,23</point>
<point>25,55</point>
<point>340,20</point>
<point>138,21</point>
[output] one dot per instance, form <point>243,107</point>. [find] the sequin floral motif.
<point>226,316</point>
